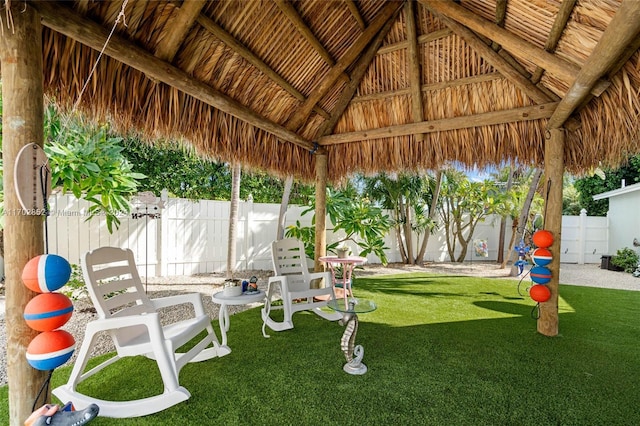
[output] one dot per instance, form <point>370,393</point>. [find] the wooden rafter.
<point>65,21</point>
<point>415,82</point>
<point>622,31</point>
<point>497,61</point>
<point>254,60</point>
<point>176,33</point>
<point>426,87</point>
<point>350,55</point>
<point>353,8</point>
<point>560,23</point>
<point>292,14</point>
<point>359,70</point>
<point>535,112</point>
<point>552,63</point>
<point>424,38</point>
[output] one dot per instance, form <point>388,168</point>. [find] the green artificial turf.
<point>441,350</point>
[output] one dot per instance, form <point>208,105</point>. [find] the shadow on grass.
<point>448,351</point>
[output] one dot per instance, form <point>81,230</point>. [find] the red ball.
<point>48,311</point>
<point>50,349</point>
<point>543,238</point>
<point>46,273</point>
<point>540,293</point>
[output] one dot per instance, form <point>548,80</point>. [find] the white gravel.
<point>585,275</point>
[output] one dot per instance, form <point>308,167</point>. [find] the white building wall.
<point>624,221</point>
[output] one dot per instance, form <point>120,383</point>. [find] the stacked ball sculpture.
<point>540,274</point>
<point>48,311</point>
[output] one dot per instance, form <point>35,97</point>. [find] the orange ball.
<point>543,238</point>
<point>540,293</point>
<point>48,311</point>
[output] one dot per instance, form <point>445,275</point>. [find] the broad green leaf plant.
<point>360,220</point>
<point>88,162</point>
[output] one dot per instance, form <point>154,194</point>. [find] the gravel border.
<point>583,275</point>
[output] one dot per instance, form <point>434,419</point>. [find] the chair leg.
<point>287,323</point>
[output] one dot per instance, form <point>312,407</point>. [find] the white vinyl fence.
<point>186,237</point>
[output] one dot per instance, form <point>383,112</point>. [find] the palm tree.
<point>236,172</point>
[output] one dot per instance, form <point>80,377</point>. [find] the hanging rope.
<point>121,16</point>
<point>44,391</point>
<point>44,179</point>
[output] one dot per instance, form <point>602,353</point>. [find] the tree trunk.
<point>503,223</point>
<point>322,168</point>
<point>408,233</point>
<point>432,216</point>
<point>524,214</point>
<point>22,95</point>
<point>403,253</point>
<point>236,172</point>
<point>282,217</point>
<point>512,240</point>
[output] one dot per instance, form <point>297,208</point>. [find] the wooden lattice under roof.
<point>376,85</point>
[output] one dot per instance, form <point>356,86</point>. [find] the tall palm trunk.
<point>503,223</point>
<point>233,219</point>
<point>282,217</point>
<point>432,216</point>
<point>524,214</point>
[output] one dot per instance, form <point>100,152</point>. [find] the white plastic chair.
<point>296,285</point>
<point>127,314</point>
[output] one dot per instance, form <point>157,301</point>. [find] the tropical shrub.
<point>626,259</point>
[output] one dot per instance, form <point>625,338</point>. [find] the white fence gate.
<point>189,237</point>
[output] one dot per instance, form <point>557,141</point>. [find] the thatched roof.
<point>376,85</point>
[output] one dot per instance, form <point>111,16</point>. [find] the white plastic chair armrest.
<point>150,320</point>
<point>275,278</point>
<point>326,275</point>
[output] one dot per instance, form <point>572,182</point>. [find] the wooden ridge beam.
<point>65,21</point>
<point>559,24</point>
<point>186,16</point>
<point>431,86</point>
<point>415,81</point>
<point>552,63</point>
<point>621,32</point>
<point>535,112</point>
<point>292,14</point>
<point>254,60</point>
<point>347,59</point>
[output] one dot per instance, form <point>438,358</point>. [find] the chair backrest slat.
<point>289,258</point>
<point>113,282</point>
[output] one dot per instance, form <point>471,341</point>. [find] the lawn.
<point>440,350</point>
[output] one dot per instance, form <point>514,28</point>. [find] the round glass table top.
<point>353,305</point>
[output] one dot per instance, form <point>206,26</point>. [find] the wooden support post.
<point>553,170</point>
<point>22,124</point>
<point>321,210</point>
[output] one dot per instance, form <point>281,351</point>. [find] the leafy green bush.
<point>626,259</point>
<point>75,288</point>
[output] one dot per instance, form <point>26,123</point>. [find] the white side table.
<point>223,315</point>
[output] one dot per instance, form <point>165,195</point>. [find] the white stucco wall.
<point>624,220</point>
<point>624,216</point>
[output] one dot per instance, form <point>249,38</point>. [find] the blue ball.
<point>540,275</point>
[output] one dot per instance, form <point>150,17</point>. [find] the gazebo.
<point>321,89</point>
